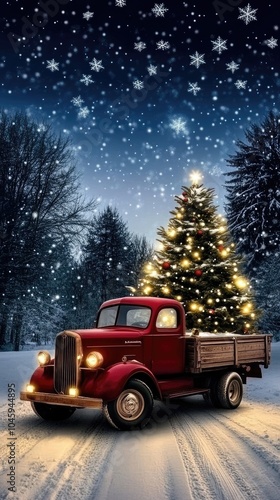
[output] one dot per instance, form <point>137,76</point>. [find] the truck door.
<point>167,344</point>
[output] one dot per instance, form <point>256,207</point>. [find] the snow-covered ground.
<point>189,450</point>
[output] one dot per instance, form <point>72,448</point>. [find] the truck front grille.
<point>68,355</point>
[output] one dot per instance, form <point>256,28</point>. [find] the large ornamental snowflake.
<point>159,9</point>
<point>77,101</point>
<point>52,65</point>
<point>88,15</point>
<point>162,45</point>
<point>219,45</point>
<point>232,66</point>
<point>137,84</point>
<point>197,59</point>
<point>271,42</point>
<point>247,14</point>
<point>140,46</point>
<point>152,70</point>
<point>96,65</point>
<point>194,88</point>
<point>120,3</point>
<point>86,80</point>
<point>178,125</point>
<point>240,84</point>
<point>83,112</point>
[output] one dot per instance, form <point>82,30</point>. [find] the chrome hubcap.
<point>130,404</point>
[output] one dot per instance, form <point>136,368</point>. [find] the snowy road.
<point>188,451</point>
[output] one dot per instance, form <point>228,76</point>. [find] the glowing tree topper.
<point>196,264</point>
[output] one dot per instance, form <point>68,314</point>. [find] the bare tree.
<point>40,200</point>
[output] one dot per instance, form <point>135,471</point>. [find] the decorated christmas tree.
<point>196,264</point>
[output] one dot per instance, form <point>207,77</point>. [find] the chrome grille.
<point>67,360</point>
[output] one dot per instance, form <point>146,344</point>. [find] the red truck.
<point>140,351</point>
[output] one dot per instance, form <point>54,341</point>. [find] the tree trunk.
<point>17,324</point>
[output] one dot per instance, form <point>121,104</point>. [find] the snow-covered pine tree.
<point>253,186</point>
<point>197,265</point>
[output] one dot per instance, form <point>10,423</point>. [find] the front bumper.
<point>62,399</point>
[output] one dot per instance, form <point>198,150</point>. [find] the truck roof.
<point>143,301</point>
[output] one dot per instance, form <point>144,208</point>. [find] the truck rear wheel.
<point>52,412</point>
<point>133,407</point>
<point>229,390</point>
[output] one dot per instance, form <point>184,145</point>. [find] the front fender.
<point>109,383</point>
<point>42,379</point>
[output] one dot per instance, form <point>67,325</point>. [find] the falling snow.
<point>52,65</point>
<point>219,45</point>
<point>232,66</point>
<point>96,65</point>
<point>159,10</point>
<point>197,59</point>
<point>86,80</point>
<point>247,14</point>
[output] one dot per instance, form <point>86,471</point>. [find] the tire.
<point>52,412</point>
<point>211,396</point>
<point>133,407</point>
<point>229,390</point>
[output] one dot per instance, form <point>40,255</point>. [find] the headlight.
<point>94,359</point>
<point>44,358</point>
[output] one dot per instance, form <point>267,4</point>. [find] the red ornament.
<point>211,311</point>
<point>221,248</point>
<point>166,265</point>
<point>185,196</point>
<point>199,232</point>
<point>198,272</point>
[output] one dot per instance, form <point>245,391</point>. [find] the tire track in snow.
<point>220,455</point>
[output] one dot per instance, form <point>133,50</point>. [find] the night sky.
<point>147,92</point>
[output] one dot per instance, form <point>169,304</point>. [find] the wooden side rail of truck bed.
<point>213,352</point>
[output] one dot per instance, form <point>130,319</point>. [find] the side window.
<point>167,318</point>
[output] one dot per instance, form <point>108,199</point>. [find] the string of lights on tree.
<point>196,264</point>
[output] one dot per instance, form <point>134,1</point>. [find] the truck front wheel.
<point>133,407</point>
<point>52,412</point>
<point>229,390</point>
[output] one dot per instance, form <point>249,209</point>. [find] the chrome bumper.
<point>61,399</point>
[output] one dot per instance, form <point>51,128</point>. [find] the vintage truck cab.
<point>140,351</point>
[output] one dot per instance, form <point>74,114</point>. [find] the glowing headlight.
<point>44,358</point>
<point>73,392</point>
<point>30,388</point>
<point>94,359</point>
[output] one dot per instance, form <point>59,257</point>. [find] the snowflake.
<point>152,70</point>
<point>197,59</point>
<point>52,65</point>
<point>87,15</point>
<point>138,84</point>
<point>193,87</point>
<point>219,45</point>
<point>216,171</point>
<point>120,3</point>
<point>96,65</point>
<point>178,125</point>
<point>140,46</point>
<point>271,42</point>
<point>77,101</point>
<point>86,80</point>
<point>240,84</point>
<point>159,9</point>
<point>247,14</point>
<point>83,112</point>
<point>232,66</point>
<point>161,45</point>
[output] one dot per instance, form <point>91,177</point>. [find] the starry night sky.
<point>147,92</point>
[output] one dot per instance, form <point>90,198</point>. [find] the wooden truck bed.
<point>213,352</point>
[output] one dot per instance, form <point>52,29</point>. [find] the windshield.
<point>124,315</point>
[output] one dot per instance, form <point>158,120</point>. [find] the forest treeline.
<point>60,256</point>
